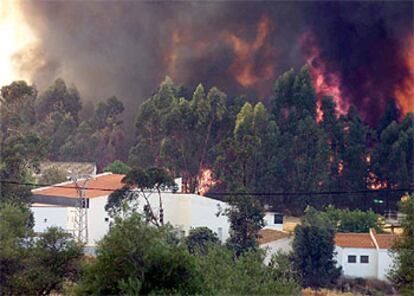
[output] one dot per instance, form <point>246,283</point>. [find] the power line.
<point>310,192</point>
<point>221,193</point>
<point>55,186</point>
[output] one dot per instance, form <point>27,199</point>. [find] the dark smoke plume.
<point>126,48</point>
<point>364,42</point>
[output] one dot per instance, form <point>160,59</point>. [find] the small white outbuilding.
<point>364,255</point>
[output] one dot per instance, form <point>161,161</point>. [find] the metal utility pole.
<point>80,231</point>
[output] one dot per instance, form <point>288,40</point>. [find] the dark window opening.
<point>106,219</point>
<point>278,218</point>
<point>364,259</point>
<point>351,259</point>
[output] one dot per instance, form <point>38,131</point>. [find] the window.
<point>278,218</point>
<point>45,220</point>
<point>364,259</point>
<point>351,259</point>
<point>106,219</point>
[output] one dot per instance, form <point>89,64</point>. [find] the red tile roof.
<point>365,240</point>
<point>385,241</point>
<point>354,240</point>
<point>102,185</point>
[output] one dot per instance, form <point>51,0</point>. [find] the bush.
<point>199,240</point>
<point>352,221</point>
<point>117,167</point>
<point>135,258</point>
<point>52,176</point>
<point>246,275</point>
<point>52,260</point>
<point>34,265</point>
<point>138,259</point>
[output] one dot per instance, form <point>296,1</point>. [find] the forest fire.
<point>405,92</point>
<point>326,83</point>
<point>250,64</point>
<point>206,181</point>
<point>374,183</point>
<point>240,51</point>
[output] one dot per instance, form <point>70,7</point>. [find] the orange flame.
<point>340,167</point>
<point>250,65</point>
<point>244,67</point>
<point>326,83</point>
<point>405,92</point>
<point>206,181</point>
<point>375,183</point>
<point>368,158</point>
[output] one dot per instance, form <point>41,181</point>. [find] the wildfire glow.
<point>405,92</point>
<point>244,67</point>
<point>374,183</point>
<point>15,36</point>
<point>251,63</point>
<point>340,167</point>
<point>368,158</point>
<point>206,181</point>
<point>326,83</point>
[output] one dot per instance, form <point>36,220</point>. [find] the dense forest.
<point>292,142</point>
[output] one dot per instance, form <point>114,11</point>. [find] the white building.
<point>364,255</point>
<point>273,221</point>
<point>55,206</point>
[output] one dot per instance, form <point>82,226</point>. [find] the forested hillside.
<point>293,142</point>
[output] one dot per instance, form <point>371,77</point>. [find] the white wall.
<point>65,217</point>
<point>269,220</point>
<point>47,216</point>
<point>183,211</point>
<point>186,211</point>
<point>204,213</point>
<point>271,248</point>
<point>97,226</point>
<point>385,263</point>
<point>362,270</point>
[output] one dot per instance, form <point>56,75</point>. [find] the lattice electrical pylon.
<point>80,231</point>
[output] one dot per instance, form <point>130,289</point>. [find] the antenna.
<point>80,231</point>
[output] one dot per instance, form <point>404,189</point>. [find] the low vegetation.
<point>33,264</point>
<point>402,275</point>
<point>135,258</point>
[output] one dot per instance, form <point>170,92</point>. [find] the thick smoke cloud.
<point>364,43</point>
<point>126,48</point>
